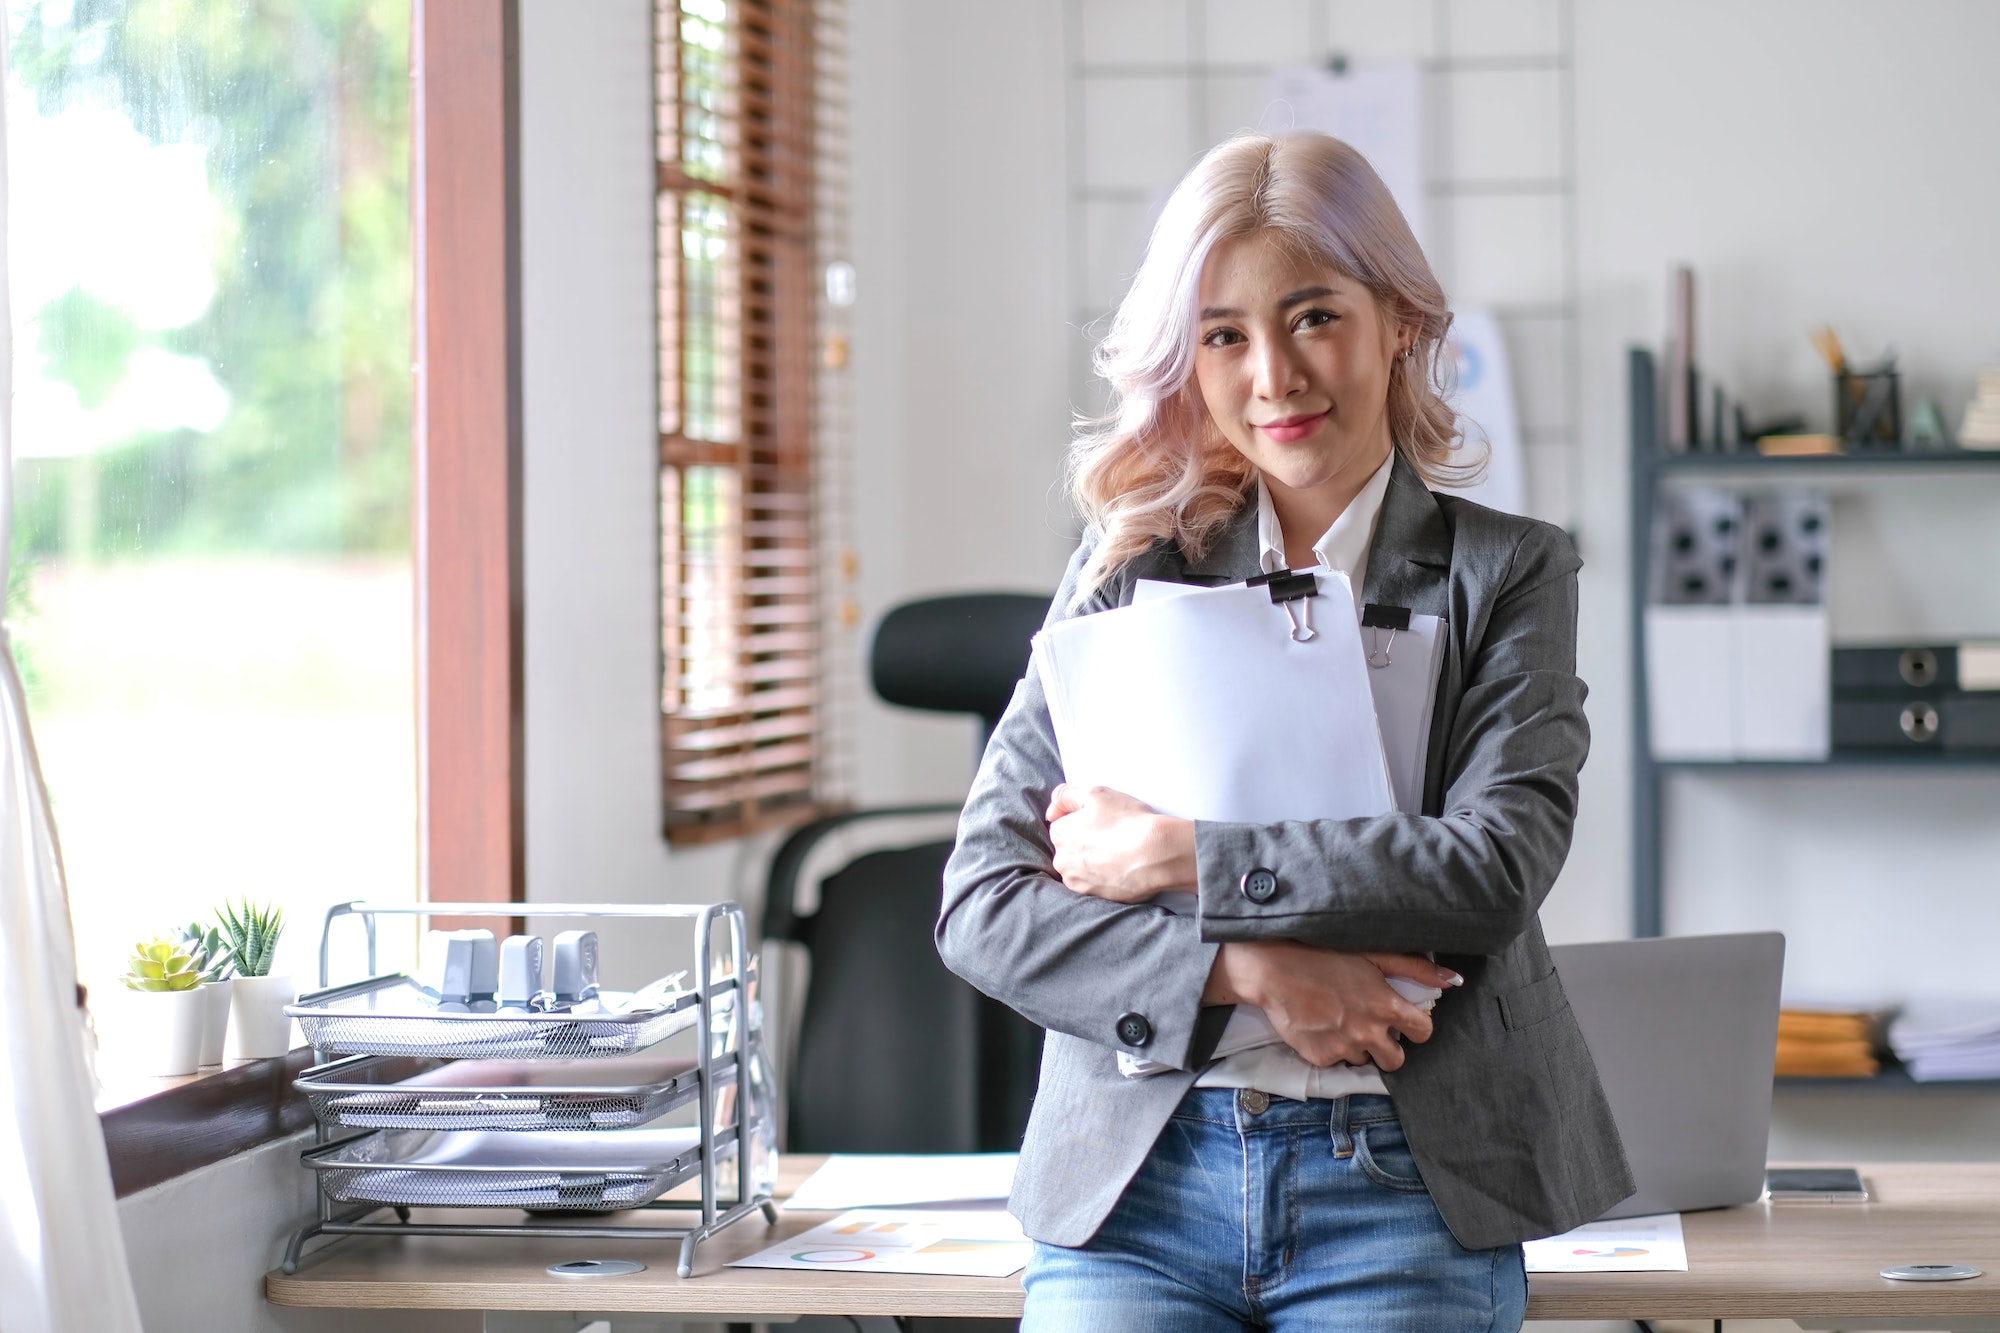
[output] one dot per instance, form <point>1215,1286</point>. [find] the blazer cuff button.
<point>1259,885</point>
<point>1134,1030</point>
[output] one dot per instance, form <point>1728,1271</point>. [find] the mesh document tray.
<point>392,1015</point>
<point>399,1092</point>
<point>580,1172</point>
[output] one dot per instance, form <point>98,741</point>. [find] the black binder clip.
<point>1293,590</point>
<point>1377,617</point>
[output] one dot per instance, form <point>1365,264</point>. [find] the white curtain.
<point>62,1255</point>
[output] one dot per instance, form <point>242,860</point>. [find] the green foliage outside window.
<point>300,109</point>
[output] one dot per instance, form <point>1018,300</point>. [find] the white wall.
<point>199,1247</point>
<point>961,397</point>
<point>590,484</point>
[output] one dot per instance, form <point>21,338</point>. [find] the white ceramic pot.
<point>259,1027</point>
<point>164,1028</point>
<point>215,1018</point>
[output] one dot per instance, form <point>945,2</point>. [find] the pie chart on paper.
<point>1628,1245</point>
<point>834,1256</point>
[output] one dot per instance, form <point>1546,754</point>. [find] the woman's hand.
<point>1332,1008</point>
<point>1111,846</point>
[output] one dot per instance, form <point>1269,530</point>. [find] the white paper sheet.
<point>1204,707</point>
<point>1630,1245</point>
<point>853,1180</point>
<point>982,1243</point>
<point>1404,690</point>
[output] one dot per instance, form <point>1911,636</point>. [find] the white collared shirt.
<point>1278,1069</point>
<point>1344,546</point>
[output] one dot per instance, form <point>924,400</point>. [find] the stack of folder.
<point>1828,1043</point>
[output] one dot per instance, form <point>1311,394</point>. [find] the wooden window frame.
<point>465,200</point>
<point>756,762</point>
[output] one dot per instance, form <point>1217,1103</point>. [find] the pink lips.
<point>1288,429</point>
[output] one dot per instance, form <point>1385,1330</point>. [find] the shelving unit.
<point>386,1145</point>
<point>1652,468</point>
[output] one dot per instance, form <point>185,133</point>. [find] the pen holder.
<point>1867,409</point>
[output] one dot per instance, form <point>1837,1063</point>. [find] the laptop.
<point>1685,1034</point>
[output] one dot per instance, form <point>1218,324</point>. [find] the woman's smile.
<point>1289,430</point>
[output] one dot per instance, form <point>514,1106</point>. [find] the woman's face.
<point>1293,364</point>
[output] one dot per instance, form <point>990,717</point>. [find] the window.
<point>210,259</point>
<point>741,688</point>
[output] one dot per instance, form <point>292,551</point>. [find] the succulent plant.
<point>250,934</point>
<point>204,944</point>
<point>160,965</point>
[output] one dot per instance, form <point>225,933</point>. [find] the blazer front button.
<point>1260,885</point>
<point>1134,1030</point>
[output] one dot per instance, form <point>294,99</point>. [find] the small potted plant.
<point>167,1008</point>
<point>211,959</point>
<point>259,1027</point>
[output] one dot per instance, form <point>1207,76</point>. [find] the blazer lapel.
<point>1409,561</point>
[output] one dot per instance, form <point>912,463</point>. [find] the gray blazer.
<point>1502,1107</point>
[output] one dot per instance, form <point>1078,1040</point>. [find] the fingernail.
<point>1456,979</point>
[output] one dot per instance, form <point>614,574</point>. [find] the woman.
<point>1274,367</point>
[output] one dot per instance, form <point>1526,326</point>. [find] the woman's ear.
<point>1412,329</point>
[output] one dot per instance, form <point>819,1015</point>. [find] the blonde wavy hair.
<point>1154,467</point>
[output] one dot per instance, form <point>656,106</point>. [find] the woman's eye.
<point>1221,338</point>
<point>1312,319</point>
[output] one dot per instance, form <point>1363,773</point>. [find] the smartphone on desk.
<point>1814,1184</point>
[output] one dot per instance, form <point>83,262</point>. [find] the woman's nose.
<point>1279,374</point>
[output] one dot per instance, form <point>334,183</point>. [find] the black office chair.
<point>893,1052</point>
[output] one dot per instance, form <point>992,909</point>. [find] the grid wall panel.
<point>1156,84</point>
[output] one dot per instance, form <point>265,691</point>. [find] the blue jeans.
<point>1298,1215</point>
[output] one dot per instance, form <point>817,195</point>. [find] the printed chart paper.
<point>857,1180</point>
<point>970,1243</point>
<point>1629,1245</point>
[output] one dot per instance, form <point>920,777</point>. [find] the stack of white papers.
<point>1630,1245</point>
<point>1204,707</point>
<point>1938,1039</point>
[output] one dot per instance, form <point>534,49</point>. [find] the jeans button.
<point>1253,1101</point>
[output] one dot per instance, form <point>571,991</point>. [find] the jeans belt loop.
<point>1337,1123</point>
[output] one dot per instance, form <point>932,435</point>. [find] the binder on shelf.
<point>1970,721</point>
<point>1931,697</point>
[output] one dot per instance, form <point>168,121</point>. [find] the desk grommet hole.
<point>1931,1272</point>
<point>596,1268</point>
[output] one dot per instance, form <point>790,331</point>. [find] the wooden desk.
<point>1798,1261</point>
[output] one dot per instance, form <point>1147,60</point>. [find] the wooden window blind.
<point>740,633</point>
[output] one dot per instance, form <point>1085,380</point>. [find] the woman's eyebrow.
<point>1284,303</point>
